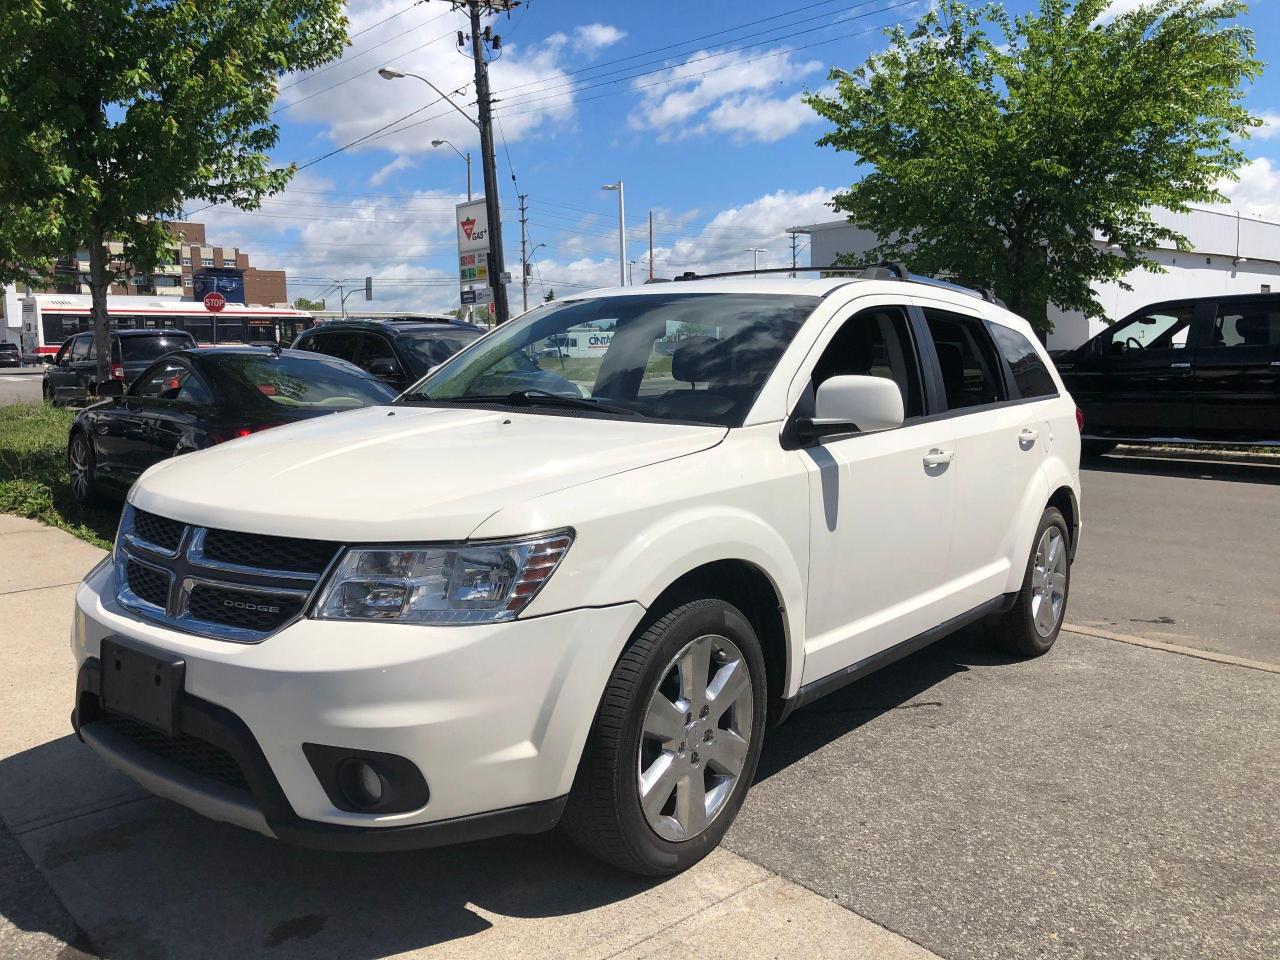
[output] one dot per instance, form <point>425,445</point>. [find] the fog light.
<point>361,783</point>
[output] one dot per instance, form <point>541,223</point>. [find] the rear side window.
<point>1247,325</point>
<point>340,344</point>
<point>153,348</point>
<point>967,358</point>
<point>1030,375</point>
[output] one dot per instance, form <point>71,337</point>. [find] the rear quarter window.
<point>1030,374</point>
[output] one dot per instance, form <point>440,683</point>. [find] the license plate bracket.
<point>142,684</point>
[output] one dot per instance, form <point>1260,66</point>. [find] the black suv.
<point>397,352</point>
<point>10,355</point>
<point>1205,369</point>
<point>72,374</point>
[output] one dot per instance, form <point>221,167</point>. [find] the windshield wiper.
<point>538,398</point>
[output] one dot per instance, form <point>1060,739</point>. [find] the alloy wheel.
<point>1049,581</point>
<point>80,467</point>
<point>696,737</point>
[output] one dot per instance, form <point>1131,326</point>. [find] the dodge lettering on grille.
<point>245,605</point>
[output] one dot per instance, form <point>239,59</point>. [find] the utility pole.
<point>793,253</point>
<point>524,250</point>
<point>650,246</point>
<point>484,107</point>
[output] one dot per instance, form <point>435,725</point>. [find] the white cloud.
<point>1257,193</point>
<point>401,162</point>
<point>421,41</point>
<point>1270,126</point>
<point>1119,8</point>
<point>725,95</point>
<point>591,38</point>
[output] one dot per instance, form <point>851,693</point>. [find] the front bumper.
<point>493,716</point>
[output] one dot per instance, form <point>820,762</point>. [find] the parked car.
<point>192,399</point>
<point>482,611</point>
<point>10,355</point>
<point>1205,369</point>
<point>72,374</point>
<point>398,352</point>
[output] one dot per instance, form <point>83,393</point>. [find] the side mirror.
<point>109,388</point>
<point>48,358</point>
<point>853,405</point>
<point>384,367</point>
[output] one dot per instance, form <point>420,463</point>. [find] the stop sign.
<point>214,302</point>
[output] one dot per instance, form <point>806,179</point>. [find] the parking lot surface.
<point>20,384</point>
<point>1106,800</point>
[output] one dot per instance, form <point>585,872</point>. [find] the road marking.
<point>1174,648</point>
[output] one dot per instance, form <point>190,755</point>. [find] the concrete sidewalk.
<point>92,866</point>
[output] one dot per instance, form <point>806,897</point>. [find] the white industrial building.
<point>1230,253</point>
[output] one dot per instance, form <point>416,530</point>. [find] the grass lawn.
<point>33,473</point>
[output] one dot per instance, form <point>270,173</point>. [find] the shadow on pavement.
<point>1186,465</point>
<point>148,879</point>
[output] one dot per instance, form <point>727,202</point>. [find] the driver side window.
<point>172,381</point>
<point>875,343</point>
<point>1164,328</point>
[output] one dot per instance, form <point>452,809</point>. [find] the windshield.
<point>153,348</point>
<point>428,349</point>
<point>300,382</point>
<point>697,357</point>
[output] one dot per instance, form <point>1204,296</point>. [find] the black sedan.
<point>192,399</point>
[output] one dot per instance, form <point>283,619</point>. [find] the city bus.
<point>48,319</point>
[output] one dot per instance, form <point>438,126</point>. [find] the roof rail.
<point>884,270</point>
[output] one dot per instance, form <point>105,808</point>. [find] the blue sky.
<point>695,106</point>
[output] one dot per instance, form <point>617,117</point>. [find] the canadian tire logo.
<point>468,225</point>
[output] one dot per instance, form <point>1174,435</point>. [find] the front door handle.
<point>1180,366</point>
<point>1028,435</point>
<point>938,458</point>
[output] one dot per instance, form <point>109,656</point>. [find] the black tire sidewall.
<point>1052,517</point>
<point>665,856</point>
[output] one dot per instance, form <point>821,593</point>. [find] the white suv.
<point>574,574</point>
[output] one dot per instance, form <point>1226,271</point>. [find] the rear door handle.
<point>937,458</point>
<point>1029,435</point>
<point>1180,366</point>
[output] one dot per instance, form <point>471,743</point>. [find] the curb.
<point>1129,638</point>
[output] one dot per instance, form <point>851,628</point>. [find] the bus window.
<point>201,328</point>
<point>230,331</point>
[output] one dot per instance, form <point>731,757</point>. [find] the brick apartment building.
<point>196,268</point>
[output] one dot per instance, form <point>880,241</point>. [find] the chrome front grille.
<point>215,583</point>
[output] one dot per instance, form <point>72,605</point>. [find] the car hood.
<point>402,473</point>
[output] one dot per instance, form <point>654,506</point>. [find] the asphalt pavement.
<point>20,384</point>
<point>1182,549</point>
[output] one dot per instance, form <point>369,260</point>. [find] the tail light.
<point>1079,419</point>
<point>117,372</point>
<point>222,436</point>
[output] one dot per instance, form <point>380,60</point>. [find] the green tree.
<point>114,112</point>
<point>549,295</point>
<point>998,155</point>
<point>302,303</point>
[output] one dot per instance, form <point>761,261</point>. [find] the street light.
<point>622,233</point>
<point>755,255</point>
<point>386,73</point>
<point>465,156</point>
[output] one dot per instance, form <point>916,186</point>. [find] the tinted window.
<point>967,359</point>
<point>340,344</point>
<point>875,343</point>
<point>428,350</point>
<point>374,348</point>
<point>153,348</point>
<point>1030,375</point>
<point>1247,325</point>
<point>80,348</point>
<point>172,381</point>
<point>298,381</point>
<point>1163,328</point>
<point>700,357</point>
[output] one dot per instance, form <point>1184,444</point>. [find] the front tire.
<point>1030,628</point>
<point>675,742</point>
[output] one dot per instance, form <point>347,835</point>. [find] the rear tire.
<point>82,467</point>
<point>1030,628</point>
<point>675,742</point>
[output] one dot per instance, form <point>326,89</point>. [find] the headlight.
<point>468,583</point>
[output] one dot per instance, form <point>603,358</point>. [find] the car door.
<point>998,448</point>
<point>1237,373</point>
<point>1148,373</point>
<point>55,373</point>
<point>166,405</point>
<point>66,377</point>
<point>881,504</point>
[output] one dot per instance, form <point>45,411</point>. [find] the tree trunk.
<point>99,281</point>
